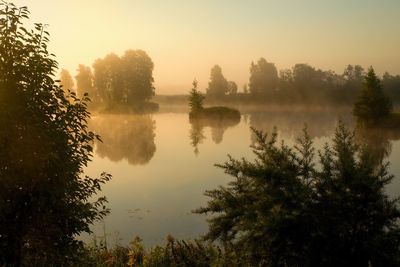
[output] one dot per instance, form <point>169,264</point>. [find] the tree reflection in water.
<point>378,141</point>
<point>218,127</point>
<point>129,137</point>
<point>290,123</point>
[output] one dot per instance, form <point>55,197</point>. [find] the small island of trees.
<point>197,111</point>
<point>116,84</point>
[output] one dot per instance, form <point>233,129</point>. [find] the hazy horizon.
<point>186,38</point>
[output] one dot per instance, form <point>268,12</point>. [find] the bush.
<point>282,210</point>
<point>45,201</point>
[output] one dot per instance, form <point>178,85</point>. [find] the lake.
<point>161,164</point>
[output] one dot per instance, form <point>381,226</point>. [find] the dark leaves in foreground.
<point>45,200</point>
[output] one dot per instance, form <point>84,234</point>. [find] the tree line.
<point>129,80</point>
<point>126,79</point>
<point>300,84</point>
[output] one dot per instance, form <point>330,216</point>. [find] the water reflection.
<point>129,137</point>
<point>290,123</point>
<point>181,187</point>
<point>378,141</point>
<point>218,127</point>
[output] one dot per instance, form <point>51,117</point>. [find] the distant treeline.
<point>300,84</point>
<point>115,80</point>
<point>129,80</point>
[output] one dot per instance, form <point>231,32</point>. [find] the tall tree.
<point>45,200</point>
<point>66,80</point>
<point>125,80</point>
<point>372,104</point>
<point>138,76</point>
<point>218,85</point>
<point>108,79</point>
<point>263,77</point>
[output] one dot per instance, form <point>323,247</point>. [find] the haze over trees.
<point>263,79</point>
<point>217,86</point>
<point>45,201</point>
<point>301,84</point>
<point>84,82</point>
<point>232,88</point>
<point>66,80</point>
<point>124,80</point>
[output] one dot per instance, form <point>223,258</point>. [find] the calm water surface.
<point>162,164</point>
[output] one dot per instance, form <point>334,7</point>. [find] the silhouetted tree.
<point>218,85</point>
<point>391,85</point>
<point>84,82</point>
<point>372,105</point>
<point>66,80</point>
<point>108,79</point>
<point>124,80</point>
<point>281,210</point>
<point>263,78</point>
<point>138,76</point>
<point>354,75</point>
<point>45,200</point>
<point>196,99</point>
<point>232,88</point>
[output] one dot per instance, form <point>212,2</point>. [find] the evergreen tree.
<point>45,200</point>
<point>372,104</point>
<point>196,99</point>
<point>281,210</point>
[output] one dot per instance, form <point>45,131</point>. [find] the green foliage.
<point>218,86</point>
<point>196,99</point>
<point>282,209</point>
<point>372,105</point>
<point>45,200</point>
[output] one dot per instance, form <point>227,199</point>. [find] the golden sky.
<point>186,38</point>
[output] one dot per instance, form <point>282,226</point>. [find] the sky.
<point>185,38</point>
